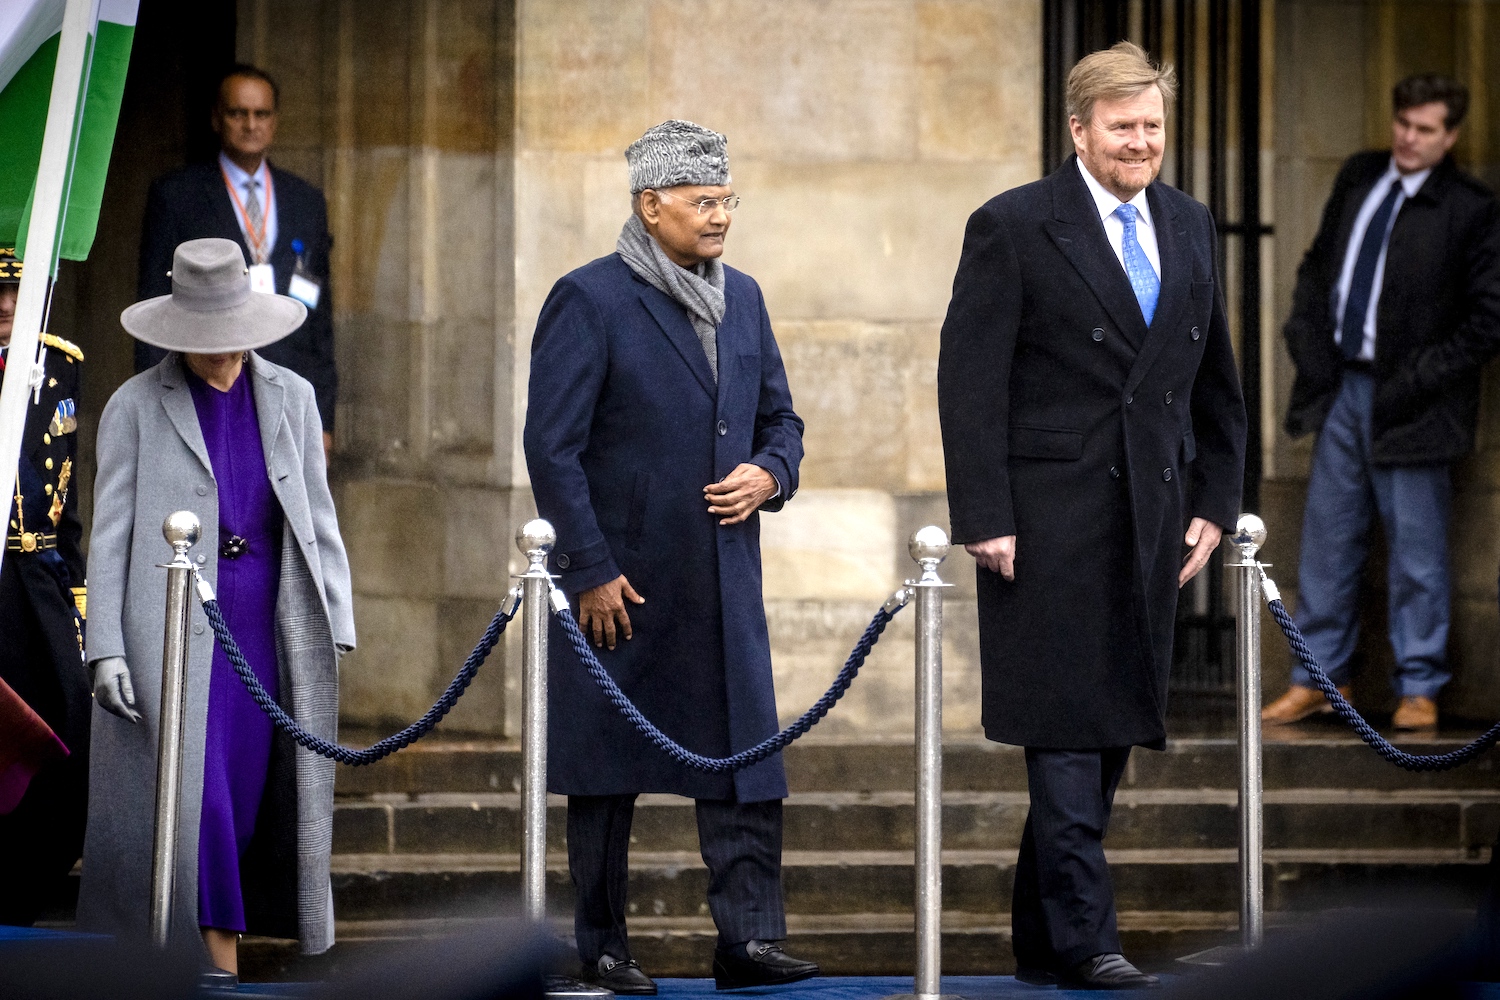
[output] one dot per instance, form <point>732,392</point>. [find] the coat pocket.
<point>1189,447</point>
<point>635,521</point>
<point>1046,442</point>
<point>1202,290</point>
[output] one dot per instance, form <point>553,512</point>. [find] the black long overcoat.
<point>1093,439</point>
<point>625,426</point>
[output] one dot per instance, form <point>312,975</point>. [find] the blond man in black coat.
<point>1094,435</point>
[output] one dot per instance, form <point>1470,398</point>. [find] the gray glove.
<point>112,688</point>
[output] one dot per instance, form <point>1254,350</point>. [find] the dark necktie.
<point>1357,305</point>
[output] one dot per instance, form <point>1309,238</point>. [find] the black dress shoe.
<point>622,976</point>
<point>758,963</point>
<point>1033,976</point>
<point>1109,971</point>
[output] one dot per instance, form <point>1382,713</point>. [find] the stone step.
<point>673,884</point>
<point>1322,755</point>
<point>1160,818</point>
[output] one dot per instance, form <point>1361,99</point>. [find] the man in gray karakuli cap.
<point>659,425</point>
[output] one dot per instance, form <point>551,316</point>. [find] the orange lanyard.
<point>257,239</point>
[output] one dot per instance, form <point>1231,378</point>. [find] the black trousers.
<point>740,843</point>
<point>1063,907</point>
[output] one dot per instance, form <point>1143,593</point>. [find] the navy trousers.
<point>1063,905</point>
<point>1344,494</point>
<point>740,843</point>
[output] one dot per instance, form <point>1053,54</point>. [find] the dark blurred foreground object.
<point>500,959</point>
<point>59,965</point>
<point>26,743</point>
<point>1359,955</point>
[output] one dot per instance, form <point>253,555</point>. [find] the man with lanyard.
<point>43,600</point>
<point>279,220</point>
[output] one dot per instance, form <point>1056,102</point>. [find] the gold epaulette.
<point>66,346</point>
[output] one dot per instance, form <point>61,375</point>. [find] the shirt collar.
<point>1107,202</point>
<point>239,178</point>
<point>1410,183</point>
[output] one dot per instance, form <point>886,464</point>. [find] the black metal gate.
<point>1214,155</point>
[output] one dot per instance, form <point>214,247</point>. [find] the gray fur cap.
<point>678,152</point>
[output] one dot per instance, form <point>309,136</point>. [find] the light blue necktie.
<point>1138,269</point>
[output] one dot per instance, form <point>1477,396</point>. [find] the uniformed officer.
<point>42,607</point>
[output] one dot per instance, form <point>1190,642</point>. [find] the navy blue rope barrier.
<point>334,751</point>
<point>1347,712</point>
<point>762,750</point>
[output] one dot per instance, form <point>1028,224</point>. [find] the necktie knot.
<point>1127,213</point>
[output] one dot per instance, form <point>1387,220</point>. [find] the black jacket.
<point>1437,322</point>
<point>41,652</point>
<point>1093,439</point>
<point>192,203</point>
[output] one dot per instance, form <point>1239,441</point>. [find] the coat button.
<point>48,463</point>
<point>202,559</point>
<point>197,629</point>
<point>1114,472</point>
<point>1098,334</point>
<point>203,491</point>
<point>723,428</point>
<point>563,562</point>
<point>1129,400</point>
<point>1196,334</point>
<point>1166,475</point>
<point>1169,397</point>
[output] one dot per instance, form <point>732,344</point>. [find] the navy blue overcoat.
<point>625,426</point>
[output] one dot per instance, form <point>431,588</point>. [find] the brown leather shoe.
<point>1297,704</point>
<point>1416,712</point>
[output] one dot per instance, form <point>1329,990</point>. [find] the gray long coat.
<point>152,461</point>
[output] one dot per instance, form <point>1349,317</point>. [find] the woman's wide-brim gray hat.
<point>211,309</point>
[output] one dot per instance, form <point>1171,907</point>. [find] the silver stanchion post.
<point>929,547</point>
<point>535,540</point>
<point>182,531</point>
<point>1249,536</point>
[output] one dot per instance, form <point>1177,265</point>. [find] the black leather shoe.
<point>621,976</point>
<point>758,963</point>
<point>1107,972</point>
<point>1034,976</point>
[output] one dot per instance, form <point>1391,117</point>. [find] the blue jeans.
<point>1344,494</point>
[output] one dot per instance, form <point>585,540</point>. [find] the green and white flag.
<point>29,33</point>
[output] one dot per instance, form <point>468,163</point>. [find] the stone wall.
<point>1336,63</point>
<point>403,111</point>
<point>861,135</point>
<point>472,154</point>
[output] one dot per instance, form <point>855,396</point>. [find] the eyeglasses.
<point>705,205</point>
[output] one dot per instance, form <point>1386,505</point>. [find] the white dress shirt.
<point>1114,227</point>
<point>1410,185</point>
<point>263,193</point>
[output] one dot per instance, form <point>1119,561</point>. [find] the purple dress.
<point>237,747</point>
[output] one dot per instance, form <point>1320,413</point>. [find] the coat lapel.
<point>1079,234</point>
<point>270,395</point>
<point>177,400</point>
<point>1176,275</point>
<point>672,319</point>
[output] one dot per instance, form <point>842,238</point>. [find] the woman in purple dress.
<point>216,430</point>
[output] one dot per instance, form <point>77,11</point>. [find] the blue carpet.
<point>873,988</point>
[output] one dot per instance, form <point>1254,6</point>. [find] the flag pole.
<point>41,236</point>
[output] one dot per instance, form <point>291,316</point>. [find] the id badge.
<point>263,278</point>
<point>305,290</point>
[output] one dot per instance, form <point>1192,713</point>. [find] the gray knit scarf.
<point>699,291</point>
